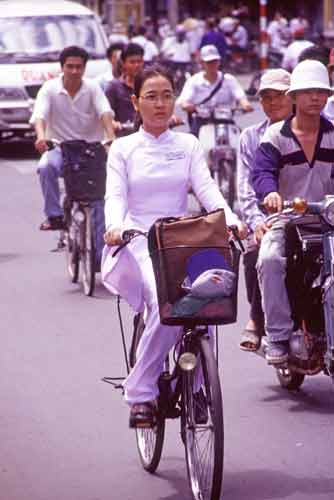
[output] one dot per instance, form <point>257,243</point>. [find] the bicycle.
<point>84,192</point>
<point>198,405</point>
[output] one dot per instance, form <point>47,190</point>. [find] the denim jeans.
<point>50,168</point>
<point>271,268</point>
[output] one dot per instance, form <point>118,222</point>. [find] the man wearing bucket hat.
<point>211,86</point>
<point>326,56</point>
<point>295,158</point>
<point>277,106</point>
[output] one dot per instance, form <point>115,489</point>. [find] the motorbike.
<point>310,285</point>
<point>219,134</point>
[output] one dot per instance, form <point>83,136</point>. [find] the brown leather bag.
<point>172,241</point>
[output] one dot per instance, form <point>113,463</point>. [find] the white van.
<point>32,35</point>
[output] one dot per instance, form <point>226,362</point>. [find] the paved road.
<point>64,433</point>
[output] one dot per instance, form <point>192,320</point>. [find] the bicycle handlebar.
<point>128,236</point>
<point>52,143</point>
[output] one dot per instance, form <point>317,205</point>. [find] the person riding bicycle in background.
<point>120,90</point>
<point>67,107</point>
<point>295,158</point>
<point>176,49</point>
<point>279,33</point>
<point>277,106</point>
<point>238,42</point>
<point>198,87</point>
<point>148,175</point>
<point>113,55</point>
<point>151,51</point>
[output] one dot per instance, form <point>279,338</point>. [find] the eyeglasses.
<point>167,98</point>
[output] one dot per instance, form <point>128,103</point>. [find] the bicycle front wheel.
<point>88,253</point>
<point>203,427</point>
<point>72,248</point>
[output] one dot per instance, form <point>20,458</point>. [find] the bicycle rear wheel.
<point>150,443</point>
<point>204,437</point>
<point>88,253</point>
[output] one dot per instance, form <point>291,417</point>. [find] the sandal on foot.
<point>250,340</point>
<point>53,224</point>
<point>142,415</point>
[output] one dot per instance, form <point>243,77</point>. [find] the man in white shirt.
<point>67,107</point>
<point>199,86</point>
<point>278,32</point>
<point>177,49</point>
<point>293,51</point>
<point>113,55</point>
<point>151,51</point>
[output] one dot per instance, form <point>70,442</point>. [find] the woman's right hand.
<point>113,237</point>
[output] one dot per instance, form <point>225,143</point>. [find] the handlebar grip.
<point>127,235</point>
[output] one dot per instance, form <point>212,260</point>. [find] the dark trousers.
<point>252,284</point>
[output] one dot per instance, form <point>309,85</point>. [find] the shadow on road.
<point>18,150</point>
<point>318,399</point>
<point>265,484</point>
<point>177,480</point>
<point>6,257</point>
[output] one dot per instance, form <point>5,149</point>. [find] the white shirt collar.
<point>62,90</point>
<point>162,137</point>
<point>206,82</point>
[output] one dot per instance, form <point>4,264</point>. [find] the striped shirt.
<point>249,141</point>
<point>281,165</point>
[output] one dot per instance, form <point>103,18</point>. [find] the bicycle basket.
<point>84,170</point>
<point>196,269</point>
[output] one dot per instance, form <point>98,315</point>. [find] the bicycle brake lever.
<point>235,233</point>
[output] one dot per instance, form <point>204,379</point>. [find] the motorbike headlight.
<point>12,94</point>
<point>329,214</point>
<point>203,111</point>
<point>221,113</point>
<point>222,135</point>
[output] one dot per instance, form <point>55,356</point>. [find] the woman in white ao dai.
<point>148,176</point>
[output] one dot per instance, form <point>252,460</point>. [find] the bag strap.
<point>213,92</point>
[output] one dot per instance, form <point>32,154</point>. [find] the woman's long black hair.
<point>147,73</point>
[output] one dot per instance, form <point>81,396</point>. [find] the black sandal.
<point>53,224</point>
<point>143,415</point>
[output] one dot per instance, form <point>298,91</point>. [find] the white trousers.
<point>142,383</point>
<point>131,276</point>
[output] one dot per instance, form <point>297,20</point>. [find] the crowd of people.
<point>150,171</point>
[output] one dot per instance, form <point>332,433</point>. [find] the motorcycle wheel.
<point>289,379</point>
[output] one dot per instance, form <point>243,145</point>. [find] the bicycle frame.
<point>168,398</point>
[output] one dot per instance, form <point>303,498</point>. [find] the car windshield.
<point>41,38</point>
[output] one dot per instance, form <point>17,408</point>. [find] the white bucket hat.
<point>275,79</point>
<point>309,74</point>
